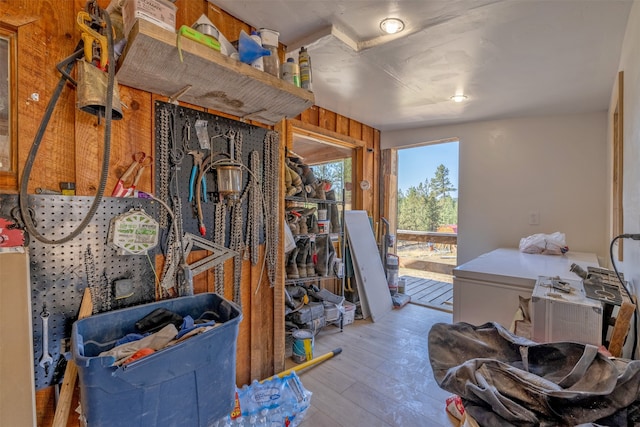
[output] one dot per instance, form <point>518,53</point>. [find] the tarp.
<point>506,380</point>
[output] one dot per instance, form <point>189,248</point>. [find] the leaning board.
<point>368,268</point>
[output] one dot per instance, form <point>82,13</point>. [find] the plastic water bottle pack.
<point>278,402</point>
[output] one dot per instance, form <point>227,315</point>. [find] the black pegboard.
<point>252,140</point>
<point>59,272</point>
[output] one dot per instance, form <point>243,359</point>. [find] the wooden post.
<point>71,372</point>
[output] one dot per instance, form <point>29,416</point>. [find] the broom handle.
<point>306,364</point>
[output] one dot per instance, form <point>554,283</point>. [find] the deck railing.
<point>428,237</point>
<point>427,242</point>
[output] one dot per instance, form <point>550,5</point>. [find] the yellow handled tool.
<point>307,364</point>
<point>89,35</point>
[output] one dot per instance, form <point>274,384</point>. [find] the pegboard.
<point>60,273</point>
<point>182,137</point>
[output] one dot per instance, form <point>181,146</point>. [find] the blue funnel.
<point>249,50</point>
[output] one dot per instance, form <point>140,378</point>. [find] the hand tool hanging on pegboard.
<point>12,235</point>
<point>97,94</point>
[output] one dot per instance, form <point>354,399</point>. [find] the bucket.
<point>271,63</point>
<point>302,345</point>
<point>401,286</point>
<point>322,214</point>
<point>269,37</point>
<point>323,226</point>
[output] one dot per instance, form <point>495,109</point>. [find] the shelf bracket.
<point>173,99</point>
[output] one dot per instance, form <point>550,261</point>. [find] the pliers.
<point>197,165</point>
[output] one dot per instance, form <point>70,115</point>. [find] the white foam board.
<point>370,277</point>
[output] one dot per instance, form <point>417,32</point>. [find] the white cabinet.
<point>486,289</point>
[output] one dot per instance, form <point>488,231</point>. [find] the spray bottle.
<point>304,61</point>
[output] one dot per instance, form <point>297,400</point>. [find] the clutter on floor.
<point>507,380</point>
<point>279,401</point>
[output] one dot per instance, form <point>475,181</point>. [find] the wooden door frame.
<point>359,147</point>
<point>287,129</point>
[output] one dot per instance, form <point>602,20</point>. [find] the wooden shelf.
<point>207,78</point>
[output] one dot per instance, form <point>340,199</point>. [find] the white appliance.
<point>486,289</point>
<point>562,316</point>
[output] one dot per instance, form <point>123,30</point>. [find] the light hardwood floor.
<point>382,377</point>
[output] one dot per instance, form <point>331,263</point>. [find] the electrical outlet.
<point>534,218</point>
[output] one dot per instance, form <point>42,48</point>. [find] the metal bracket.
<point>220,253</point>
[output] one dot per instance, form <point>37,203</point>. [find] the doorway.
<point>427,221</point>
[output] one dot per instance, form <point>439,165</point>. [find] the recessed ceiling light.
<point>392,25</point>
<point>458,98</point>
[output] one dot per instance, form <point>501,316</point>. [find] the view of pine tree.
<point>429,205</point>
<point>440,184</point>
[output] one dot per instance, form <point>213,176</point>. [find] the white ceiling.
<point>510,57</point>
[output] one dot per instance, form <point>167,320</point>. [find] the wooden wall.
<point>367,159</point>
<point>73,143</point>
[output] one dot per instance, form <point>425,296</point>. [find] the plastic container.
<point>349,313</point>
<point>291,72</point>
<point>324,226</point>
<point>270,41</point>
<point>302,345</point>
<point>258,63</point>
<point>189,384</point>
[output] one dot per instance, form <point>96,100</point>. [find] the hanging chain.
<point>163,164</point>
<point>174,249</point>
<point>254,214</point>
<point>237,244</point>
<point>271,199</point>
<point>219,235</point>
<point>100,293</point>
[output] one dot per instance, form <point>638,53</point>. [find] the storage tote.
<point>189,384</point>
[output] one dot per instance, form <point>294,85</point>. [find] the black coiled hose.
<point>23,201</point>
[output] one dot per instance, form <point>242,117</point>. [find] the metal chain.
<point>163,164</point>
<point>237,244</point>
<point>254,214</point>
<point>271,199</point>
<point>219,235</point>
<point>172,257</point>
<point>100,295</point>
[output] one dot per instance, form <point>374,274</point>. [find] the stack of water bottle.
<point>277,402</point>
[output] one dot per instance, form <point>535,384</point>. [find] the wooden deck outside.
<point>429,292</point>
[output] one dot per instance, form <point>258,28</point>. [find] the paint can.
<point>324,226</point>
<point>302,345</point>
<point>401,286</point>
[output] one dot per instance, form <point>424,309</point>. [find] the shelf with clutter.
<point>160,61</point>
<point>313,251</point>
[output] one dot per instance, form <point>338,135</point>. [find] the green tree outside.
<point>429,205</point>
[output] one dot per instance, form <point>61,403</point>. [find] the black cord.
<point>24,182</point>
<point>615,269</point>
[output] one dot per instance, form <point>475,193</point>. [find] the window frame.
<point>9,176</point>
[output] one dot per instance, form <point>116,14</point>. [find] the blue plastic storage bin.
<point>188,384</point>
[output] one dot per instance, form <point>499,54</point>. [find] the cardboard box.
<point>159,12</point>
